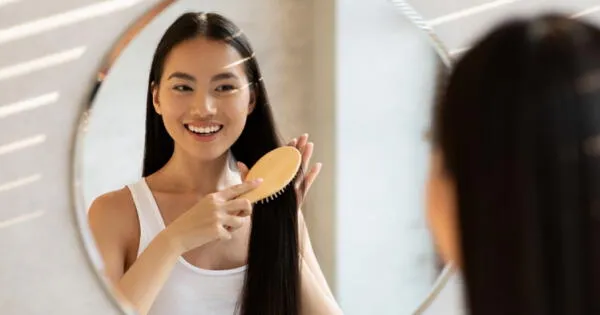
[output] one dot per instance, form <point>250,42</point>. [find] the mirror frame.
<point>114,52</point>
<point>93,255</point>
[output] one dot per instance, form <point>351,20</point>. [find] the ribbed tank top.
<point>189,290</point>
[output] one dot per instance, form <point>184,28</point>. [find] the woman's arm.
<point>203,223</point>
<point>145,278</point>
<point>313,300</point>
<point>313,275</point>
<point>112,229</point>
<point>309,255</point>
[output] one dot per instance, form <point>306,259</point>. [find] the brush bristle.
<point>273,196</point>
<point>279,193</point>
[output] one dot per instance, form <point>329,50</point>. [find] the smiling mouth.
<point>204,131</point>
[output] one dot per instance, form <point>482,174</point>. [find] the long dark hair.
<point>272,278</point>
<point>519,129</point>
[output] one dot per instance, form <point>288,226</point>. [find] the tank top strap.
<point>151,222</point>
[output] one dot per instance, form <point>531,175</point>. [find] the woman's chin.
<point>208,153</point>
<point>207,148</point>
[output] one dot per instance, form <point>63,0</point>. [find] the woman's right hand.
<point>213,218</point>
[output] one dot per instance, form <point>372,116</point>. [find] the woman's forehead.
<point>204,56</point>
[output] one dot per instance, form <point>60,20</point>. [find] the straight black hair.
<point>272,282</point>
<point>519,130</point>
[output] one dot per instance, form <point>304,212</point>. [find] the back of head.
<point>519,130</point>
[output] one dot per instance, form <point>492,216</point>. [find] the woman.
<point>515,172</point>
<point>179,242</point>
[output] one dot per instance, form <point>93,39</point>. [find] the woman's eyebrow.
<point>182,75</point>
<point>224,76</point>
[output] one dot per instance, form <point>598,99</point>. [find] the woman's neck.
<point>186,174</point>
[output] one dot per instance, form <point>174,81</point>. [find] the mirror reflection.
<point>187,107</point>
<point>180,240</point>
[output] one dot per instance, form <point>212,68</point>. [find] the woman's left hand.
<point>307,177</point>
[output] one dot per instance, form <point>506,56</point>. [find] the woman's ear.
<point>252,102</point>
<point>154,89</point>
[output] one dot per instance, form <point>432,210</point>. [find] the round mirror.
<point>189,90</point>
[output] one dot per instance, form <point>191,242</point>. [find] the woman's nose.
<point>204,106</point>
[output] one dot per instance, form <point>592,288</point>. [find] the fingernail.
<point>305,135</point>
<point>257,181</point>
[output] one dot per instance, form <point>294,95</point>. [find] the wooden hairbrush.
<point>277,168</point>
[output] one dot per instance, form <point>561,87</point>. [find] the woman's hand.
<point>304,181</point>
<point>214,217</point>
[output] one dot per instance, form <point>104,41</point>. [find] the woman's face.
<point>204,97</point>
<point>442,209</point>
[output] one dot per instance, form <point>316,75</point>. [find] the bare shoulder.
<point>115,207</point>
<point>114,223</point>
<point>113,216</point>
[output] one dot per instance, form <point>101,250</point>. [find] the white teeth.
<point>204,130</point>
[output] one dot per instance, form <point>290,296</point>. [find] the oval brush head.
<point>277,169</point>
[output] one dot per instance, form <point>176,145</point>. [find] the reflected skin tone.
<point>441,209</point>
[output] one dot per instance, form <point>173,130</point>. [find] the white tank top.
<point>189,290</point>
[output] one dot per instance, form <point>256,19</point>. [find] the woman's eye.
<point>182,88</point>
<point>226,88</point>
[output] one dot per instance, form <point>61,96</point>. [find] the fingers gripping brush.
<point>277,168</point>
